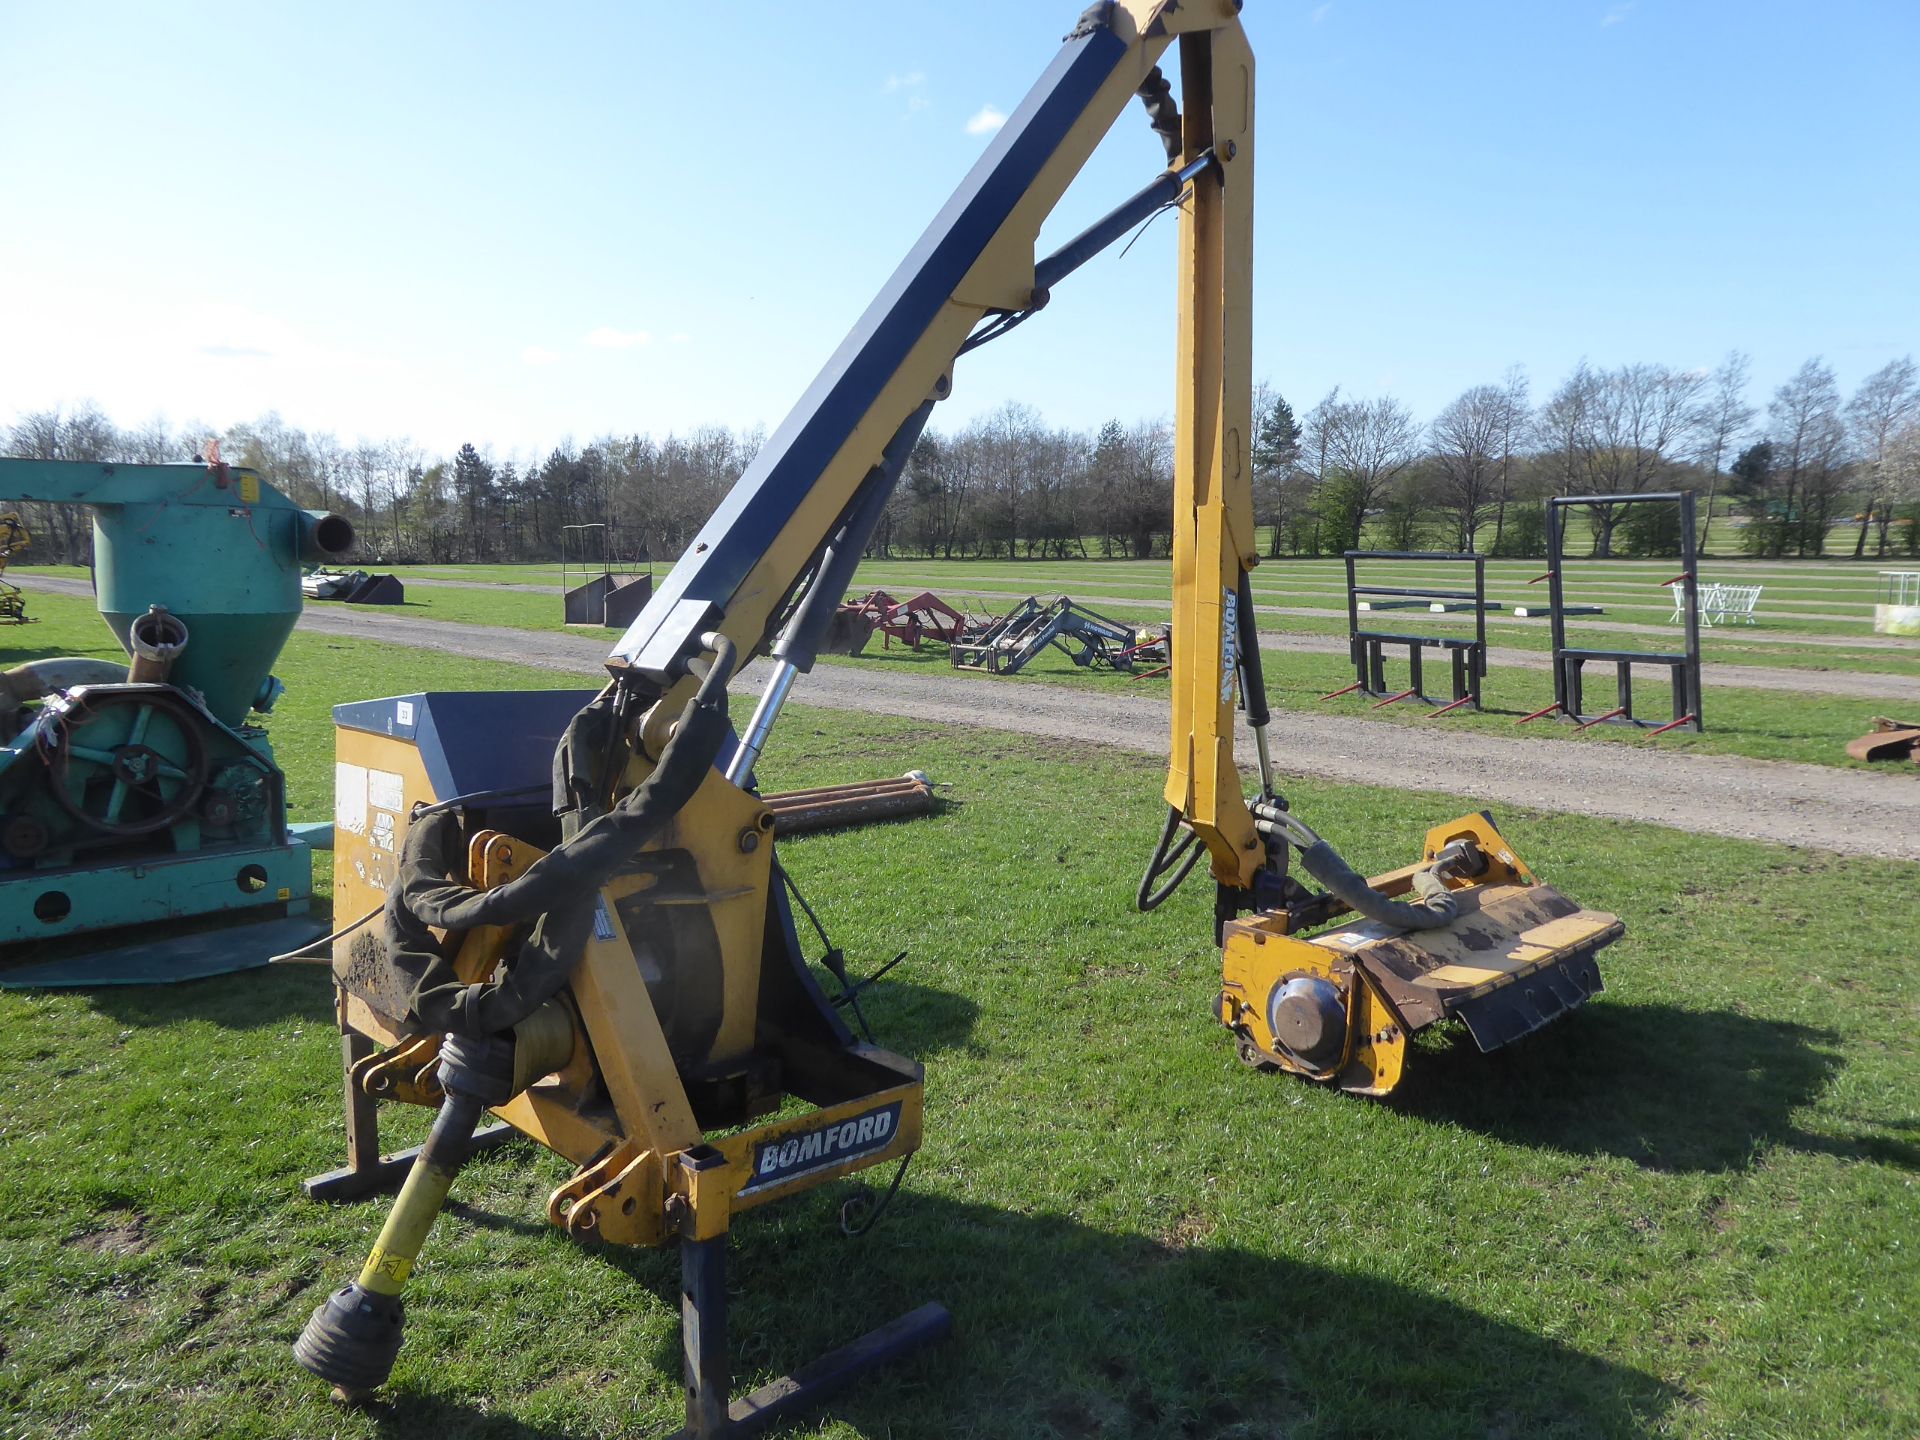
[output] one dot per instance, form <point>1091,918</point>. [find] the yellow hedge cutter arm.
<point>627,985</point>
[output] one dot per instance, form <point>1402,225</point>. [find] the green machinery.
<point>146,793</point>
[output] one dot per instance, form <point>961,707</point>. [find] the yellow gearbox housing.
<point>1340,1005</point>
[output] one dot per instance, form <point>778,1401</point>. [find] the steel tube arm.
<point>1213,531</point>
<point>976,258</point>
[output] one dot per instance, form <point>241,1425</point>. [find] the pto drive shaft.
<point>352,1340</point>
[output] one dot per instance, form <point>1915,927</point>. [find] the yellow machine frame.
<point>594,1073</point>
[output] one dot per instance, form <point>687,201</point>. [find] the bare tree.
<point>1363,447</point>
<point>1723,419</point>
<point>1901,475</point>
<point>1621,432</point>
<point>400,462</point>
<point>1516,421</point>
<point>152,444</point>
<point>1466,440</point>
<point>1809,462</point>
<point>1885,404</point>
<point>83,433</point>
<point>364,468</point>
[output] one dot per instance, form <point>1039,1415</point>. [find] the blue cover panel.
<point>474,739</point>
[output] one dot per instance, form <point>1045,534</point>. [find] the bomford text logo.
<point>791,1156</point>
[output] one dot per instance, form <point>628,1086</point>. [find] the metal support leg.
<point>363,1115</point>
<point>1624,689</point>
<point>367,1171</point>
<point>703,1336</point>
<point>1414,681</point>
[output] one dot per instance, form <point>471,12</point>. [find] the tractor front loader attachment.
<point>1340,1004</point>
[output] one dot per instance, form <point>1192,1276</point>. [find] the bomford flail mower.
<point>608,962</point>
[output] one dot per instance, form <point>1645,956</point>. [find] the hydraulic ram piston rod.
<point>761,725</point>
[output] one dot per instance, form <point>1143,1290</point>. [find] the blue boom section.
<point>763,501</point>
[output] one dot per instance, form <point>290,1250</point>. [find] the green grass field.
<point>1138,590</point>
<point>1687,1211</point>
<point>1761,724</point>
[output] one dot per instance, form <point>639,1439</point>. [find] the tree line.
<point>1007,485</point>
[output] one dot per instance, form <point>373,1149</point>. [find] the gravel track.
<point>1854,812</point>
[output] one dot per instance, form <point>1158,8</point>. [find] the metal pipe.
<point>39,678</point>
<point>1266,760</point>
<point>837,807</point>
<point>156,640</point>
<point>764,714</point>
<point>324,536</point>
<point>1163,190</point>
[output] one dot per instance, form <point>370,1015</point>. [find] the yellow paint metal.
<point>619,1200</point>
<point>550,1114</point>
<point>1257,955</point>
<point>708,1195</point>
<point>1213,529</point>
<point>628,1042</point>
<point>391,1259</point>
<point>405,1072</point>
<point>739,1148</point>
<point>366,858</point>
<point>1261,952</point>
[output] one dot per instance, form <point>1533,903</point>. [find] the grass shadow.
<point>242,1001</point>
<point>1667,1088</point>
<point>411,1415</point>
<point>1066,1330</point>
<point>22,655</point>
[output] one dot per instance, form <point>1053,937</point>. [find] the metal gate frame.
<point>1568,660</point>
<point>1369,665</point>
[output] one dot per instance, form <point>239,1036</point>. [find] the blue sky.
<point>513,223</point>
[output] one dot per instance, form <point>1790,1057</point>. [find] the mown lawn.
<point>1687,1211</point>
<point>1761,724</point>
<point>1137,591</point>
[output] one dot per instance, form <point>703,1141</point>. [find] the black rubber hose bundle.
<point>1435,909</point>
<point>553,893</point>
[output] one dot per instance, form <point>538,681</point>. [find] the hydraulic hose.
<point>555,892</point>
<point>1435,909</point>
<point>595,854</point>
<point>1171,858</point>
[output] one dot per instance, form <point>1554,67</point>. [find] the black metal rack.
<point>1569,660</point>
<point>1468,657</point>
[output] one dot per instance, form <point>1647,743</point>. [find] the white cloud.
<point>1617,13</point>
<point>1319,13</point>
<point>678,337</point>
<point>193,356</point>
<point>538,355</point>
<point>917,102</point>
<point>912,80</point>
<point>605,337</point>
<point>986,120</point>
